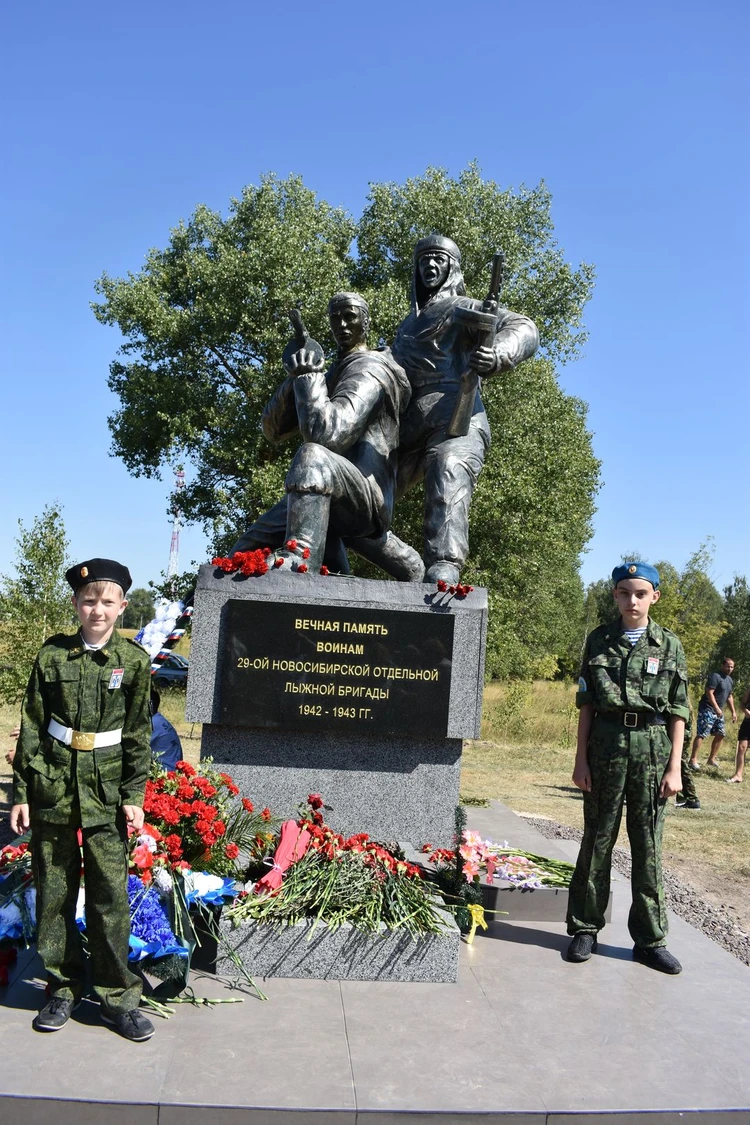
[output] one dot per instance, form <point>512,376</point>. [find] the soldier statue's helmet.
<point>636,570</point>
<point>437,243</point>
<point>98,570</point>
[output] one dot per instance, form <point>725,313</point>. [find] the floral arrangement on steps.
<point>459,871</point>
<point>327,878</point>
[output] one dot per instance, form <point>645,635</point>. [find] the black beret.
<point>99,570</point>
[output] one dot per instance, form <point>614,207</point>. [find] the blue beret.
<point>636,570</point>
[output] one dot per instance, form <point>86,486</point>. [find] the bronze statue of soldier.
<point>445,347</point>
<point>342,480</point>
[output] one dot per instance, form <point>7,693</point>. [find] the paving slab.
<point>523,1038</point>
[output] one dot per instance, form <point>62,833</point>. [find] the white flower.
<point>163,881</point>
<point>201,884</point>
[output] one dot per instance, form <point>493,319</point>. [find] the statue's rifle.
<point>481,319</point>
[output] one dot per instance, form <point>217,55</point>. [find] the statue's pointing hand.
<point>304,362</point>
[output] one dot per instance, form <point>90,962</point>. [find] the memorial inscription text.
<point>301,667</point>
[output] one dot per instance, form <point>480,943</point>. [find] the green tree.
<point>140,608</point>
<point>692,607</point>
<point>736,641</point>
<point>35,602</point>
<point>205,324</point>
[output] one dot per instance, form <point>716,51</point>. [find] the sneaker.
<point>581,947</point>
<point>694,766</point>
<point>55,1014</point>
<point>658,958</point>
<point>683,803</point>
<point>132,1025</point>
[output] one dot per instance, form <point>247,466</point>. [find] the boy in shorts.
<point>633,701</point>
<point>82,761</point>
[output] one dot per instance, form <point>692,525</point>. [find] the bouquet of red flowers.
<point>337,880</point>
<point>195,820</point>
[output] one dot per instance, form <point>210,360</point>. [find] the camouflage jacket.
<point>78,688</point>
<point>650,676</point>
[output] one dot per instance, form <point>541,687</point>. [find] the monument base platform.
<point>522,1038</point>
<point>341,954</point>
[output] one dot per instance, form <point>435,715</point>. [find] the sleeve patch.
<point>582,685</point>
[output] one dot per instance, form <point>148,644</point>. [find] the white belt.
<point>80,740</point>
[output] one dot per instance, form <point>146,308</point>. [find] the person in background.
<point>743,737</point>
<point>688,797</point>
<point>710,720</point>
<point>166,747</point>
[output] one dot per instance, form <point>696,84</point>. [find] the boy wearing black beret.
<point>82,761</point>
<point>633,701</point>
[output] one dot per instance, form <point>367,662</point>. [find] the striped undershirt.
<point>633,635</point>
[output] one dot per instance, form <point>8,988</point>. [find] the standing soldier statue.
<point>446,344</point>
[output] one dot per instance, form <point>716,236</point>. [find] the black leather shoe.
<point>132,1025</point>
<point>581,947</point>
<point>55,1015</point>
<point>659,958</point>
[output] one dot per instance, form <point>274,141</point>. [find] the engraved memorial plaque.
<point>315,668</point>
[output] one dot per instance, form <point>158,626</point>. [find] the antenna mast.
<point>174,548</point>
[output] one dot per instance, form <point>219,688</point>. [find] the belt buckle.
<point>81,740</point>
<point>630,719</point>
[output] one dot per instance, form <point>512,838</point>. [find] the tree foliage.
<point>35,601</point>
<point>205,323</point>
<point>140,608</point>
<point>735,642</point>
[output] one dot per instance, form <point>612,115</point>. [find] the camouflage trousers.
<point>626,769</point>
<point>56,861</point>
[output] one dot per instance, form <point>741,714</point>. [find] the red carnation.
<point>291,544</point>
<point>266,814</point>
<point>248,805</point>
<point>315,801</point>
<point>306,553</point>
<point>231,851</point>
<point>324,571</point>
<point>302,568</point>
<point>442,585</point>
<point>279,562</point>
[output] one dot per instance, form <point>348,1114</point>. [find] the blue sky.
<point>119,119</point>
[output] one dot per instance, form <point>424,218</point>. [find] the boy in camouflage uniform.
<point>82,761</point>
<point>633,703</point>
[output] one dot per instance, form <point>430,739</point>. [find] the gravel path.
<point>714,921</point>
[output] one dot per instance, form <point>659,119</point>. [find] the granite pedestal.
<point>360,690</point>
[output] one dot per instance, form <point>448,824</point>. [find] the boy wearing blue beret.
<point>633,705</point>
<point>82,762</point>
